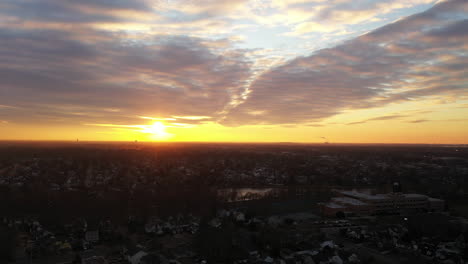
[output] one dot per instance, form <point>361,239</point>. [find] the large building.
<point>355,202</point>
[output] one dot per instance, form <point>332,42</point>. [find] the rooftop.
<point>348,200</point>
<point>360,195</point>
<point>334,205</point>
<point>366,196</point>
<point>414,195</point>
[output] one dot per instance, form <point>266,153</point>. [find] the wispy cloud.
<point>379,118</point>
<point>192,117</point>
<point>157,118</point>
<point>7,106</point>
<point>156,131</point>
<point>419,121</point>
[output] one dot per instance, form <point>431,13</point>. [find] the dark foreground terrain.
<point>224,203</point>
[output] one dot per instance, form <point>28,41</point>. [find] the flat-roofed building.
<point>436,205</point>
<point>396,202</point>
<point>354,205</point>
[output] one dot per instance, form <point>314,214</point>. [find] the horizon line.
<point>219,142</point>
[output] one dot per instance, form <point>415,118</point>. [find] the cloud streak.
<point>379,118</point>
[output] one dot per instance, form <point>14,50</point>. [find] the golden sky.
<point>365,71</point>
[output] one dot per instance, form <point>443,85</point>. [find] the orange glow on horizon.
<point>438,126</point>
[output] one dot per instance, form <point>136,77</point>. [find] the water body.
<point>245,194</point>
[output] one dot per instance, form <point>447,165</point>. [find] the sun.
<point>157,130</point>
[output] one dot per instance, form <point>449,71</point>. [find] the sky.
<point>338,71</point>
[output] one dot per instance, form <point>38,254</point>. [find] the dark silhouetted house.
<point>92,232</point>
<point>92,257</point>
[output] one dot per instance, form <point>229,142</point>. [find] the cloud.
<point>379,118</point>
<point>307,27</point>
<point>88,11</point>
<point>420,56</point>
<point>444,120</point>
<point>192,117</point>
<point>190,10</point>
<point>312,16</point>
<point>419,121</point>
<point>115,61</point>
<point>6,106</point>
<point>60,75</point>
<point>356,123</point>
<point>72,61</point>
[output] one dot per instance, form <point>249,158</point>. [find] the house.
<point>92,235</point>
<point>92,232</point>
<point>92,257</point>
<point>94,260</point>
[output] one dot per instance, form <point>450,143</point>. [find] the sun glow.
<point>158,128</point>
<point>157,131</point>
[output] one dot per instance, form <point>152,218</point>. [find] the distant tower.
<point>396,187</point>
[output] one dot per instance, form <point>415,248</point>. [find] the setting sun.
<point>158,128</point>
<point>157,131</point>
